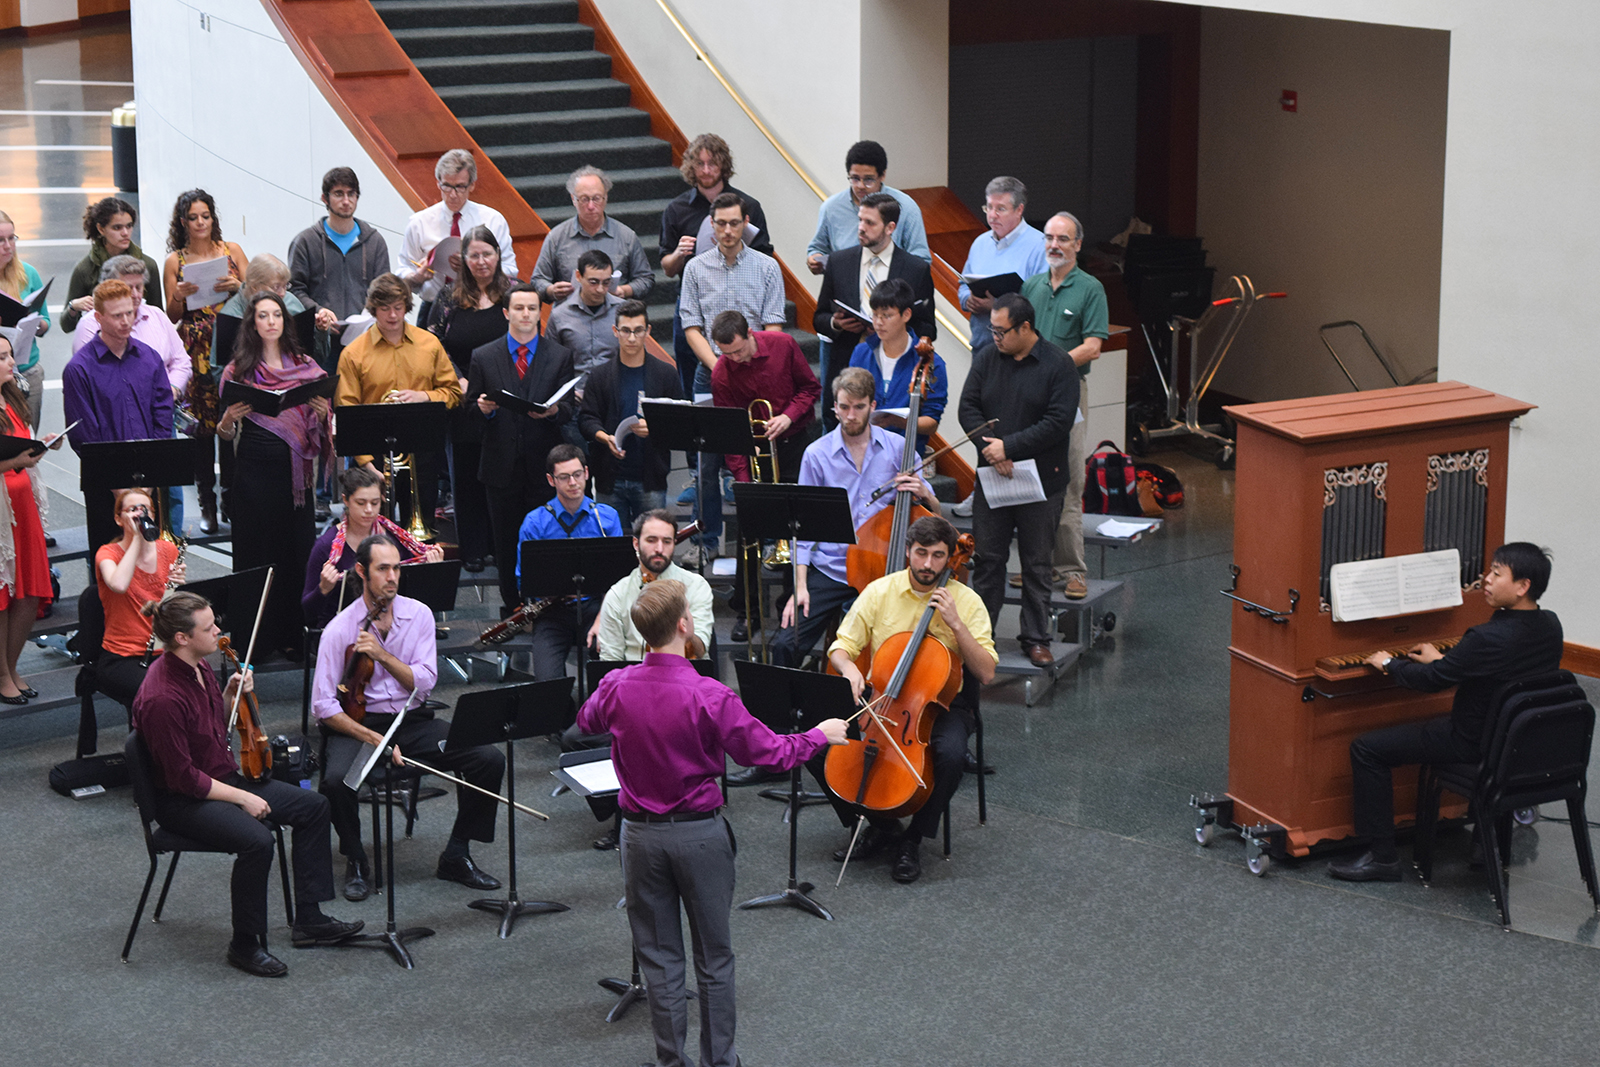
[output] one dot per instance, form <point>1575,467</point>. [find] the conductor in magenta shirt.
<point>671,731</point>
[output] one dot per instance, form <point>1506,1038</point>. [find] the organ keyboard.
<point>1351,665</point>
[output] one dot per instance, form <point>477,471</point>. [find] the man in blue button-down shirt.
<point>1010,246</point>
<point>570,514</point>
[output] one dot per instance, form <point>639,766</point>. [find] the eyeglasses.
<point>856,179</point>
<point>632,331</point>
<point>589,201</point>
<point>482,257</point>
<point>452,187</point>
<point>575,478</point>
<point>1000,332</point>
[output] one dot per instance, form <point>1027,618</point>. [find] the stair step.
<point>419,14</point>
<point>549,191</point>
<point>562,157</point>
<point>472,41</point>
<point>588,124</point>
<point>510,97</point>
<point>505,66</point>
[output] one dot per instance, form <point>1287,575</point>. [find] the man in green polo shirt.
<point>1070,309</point>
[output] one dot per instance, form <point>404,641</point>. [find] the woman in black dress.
<point>470,316</point>
<point>275,464</point>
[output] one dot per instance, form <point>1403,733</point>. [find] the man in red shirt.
<point>764,365</point>
<point>182,717</point>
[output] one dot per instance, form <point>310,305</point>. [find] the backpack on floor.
<point>1160,489</point>
<point>1110,484</point>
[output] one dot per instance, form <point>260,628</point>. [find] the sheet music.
<point>206,274</point>
<point>1023,487</point>
<point>354,327</point>
<point>1119,528</point>
<point>22,336</point>
<point>597,777</point>
<point>1396,585</point>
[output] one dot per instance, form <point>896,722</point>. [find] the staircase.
<point>523,77</point>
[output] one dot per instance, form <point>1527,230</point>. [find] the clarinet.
<point>172,583</point>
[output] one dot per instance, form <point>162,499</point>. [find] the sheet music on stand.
<point>366,760</point>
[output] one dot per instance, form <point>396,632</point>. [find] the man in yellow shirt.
<point>397,363</point>
<point>893,604</point>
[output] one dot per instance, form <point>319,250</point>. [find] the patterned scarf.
<point>298,427</point>
<point>409,546</point>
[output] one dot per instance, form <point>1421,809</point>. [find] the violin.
<point>888,771</point>
<point>880,546</point>
<point>358,670</point>
<point>255,751</point>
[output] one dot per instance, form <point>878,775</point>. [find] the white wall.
<point>263,163</point>
<point>1520,249</point>
<point>905,103</point>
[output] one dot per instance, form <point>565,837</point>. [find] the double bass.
<point>880,546</point>
<point>888,771</point>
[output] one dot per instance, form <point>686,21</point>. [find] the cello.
<point>888,771</point>
<point>880,546</point>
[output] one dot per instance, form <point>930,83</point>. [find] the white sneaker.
<point>964,509</point>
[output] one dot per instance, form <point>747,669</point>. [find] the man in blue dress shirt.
<point>570,514</point>
<point>1010,246</point>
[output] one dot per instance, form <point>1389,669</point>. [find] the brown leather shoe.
<point>1077,587</point>
<point>1016,581</point>
<point>1040,656</point>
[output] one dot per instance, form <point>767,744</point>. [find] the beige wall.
<point>1340,203</point>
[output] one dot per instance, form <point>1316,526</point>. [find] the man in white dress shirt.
<point>454,216</point>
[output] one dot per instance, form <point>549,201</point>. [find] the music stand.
<point>159,463</point>
<point>771,512</point>
<point>387,429</point>
<point>435,584</point>
<point>693,429</point>
<point>392,938</point>
<point>575,566</point>
<point>510,713</point>
<point>232,596</point>
<point>792,702</point>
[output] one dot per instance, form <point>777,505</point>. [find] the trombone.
<point>780,556</point>
<point>418,525</point>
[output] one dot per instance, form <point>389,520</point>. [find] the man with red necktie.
<point>514,444</point>
<point>456,213</point>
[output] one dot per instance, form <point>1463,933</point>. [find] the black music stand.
<point>159,463</point>
<point>393,938</point>
<point>233,596</point>
<point>510,713</point>
<point>384,429</point>
<point>693,429</point>
<point>771,512</point>
<point>435,584</point>
<point>575,566</point>
<point>792,702</point>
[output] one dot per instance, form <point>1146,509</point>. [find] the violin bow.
<point>888,734</point>
<point>920,467</point>
<point>408,761</point>
<point>249,654</point>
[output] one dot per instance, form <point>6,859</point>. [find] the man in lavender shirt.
<point>672,730</point>
<point>398,633</point>
<point>116,389</point>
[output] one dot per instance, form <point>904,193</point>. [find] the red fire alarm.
<point>1290,100</point>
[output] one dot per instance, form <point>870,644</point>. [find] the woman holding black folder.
<point>275,464</point>
<point>471,315</point>
<point>24,562</point>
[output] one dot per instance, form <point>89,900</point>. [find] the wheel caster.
<point>1225,458</point>
<point>1526,816</point>
<point>1203,834</point>
<point>1259,864</point>
<point>1108,622</point>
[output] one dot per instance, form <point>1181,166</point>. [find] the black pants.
<point>829,601</point>
<point>1034,526</point>
<point>1373,757</point>
<point>508,506</point>
<point>557,632</point>
<point>226,826</point>
<point>471,501</point>
<point>269,530</point>
<point>420,739</point>
<point>948,745</point>
<point>119,677</point>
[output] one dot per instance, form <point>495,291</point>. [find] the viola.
<point>880,546</point>
<point>358,670</point>
<point>255,751</point>
<point>888,771</point>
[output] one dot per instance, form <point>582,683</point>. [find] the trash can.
<point>125,148</point>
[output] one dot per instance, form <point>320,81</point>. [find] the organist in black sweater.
<point>1519,640</point>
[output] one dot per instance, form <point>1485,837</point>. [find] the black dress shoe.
<point>328,932</point>
<point>30,692</point>
<point>466,872</point>
<point>258,962</point>
<point>755,776</point>
<point>608,841</point>
<point>908,866</point>
<point>871,842</point>
<point>356,880</point>
<point>473,566</point>
<point>19,699</point>
<point>741,630</point>
<point>971,765</point>
<point>1365,868</point>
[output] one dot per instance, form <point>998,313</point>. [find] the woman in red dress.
<point>24,562</point>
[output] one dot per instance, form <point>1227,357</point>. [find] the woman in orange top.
<point>24,562</point>
<point>131,573</point>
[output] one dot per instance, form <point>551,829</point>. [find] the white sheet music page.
<point>597,777</point>
<point>1023,487</point>
<point>1395,585</point>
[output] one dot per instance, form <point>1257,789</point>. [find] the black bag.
<point>109,771</point>
<point>1110,484</point>
<point>1164,484</point>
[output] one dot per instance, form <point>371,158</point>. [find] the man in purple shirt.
<point>116,389</point>
<point>398,633</point>
<point>672,731</point>
<point>151,327</point>
<point>182,718</point>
